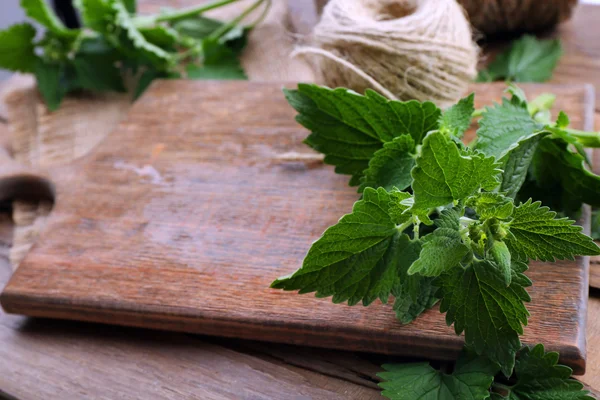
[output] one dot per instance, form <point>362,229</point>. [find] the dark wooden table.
<point>46,359</point>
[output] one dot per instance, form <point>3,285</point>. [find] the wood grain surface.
<point>185,214</point>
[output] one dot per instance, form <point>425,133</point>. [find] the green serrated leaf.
<point>457,119</point>
<point>113,20</point>
<point>95,13</point>
<point>391,165</point>
<point>536,233</point>
<point>527,60</point>
<point>356,259</point>
<point>443,175</point>
<point>349,128</point>
<point>491,205</point>
<point>442,250</point>
<point>41,12</point>
<point>17,49</point>
<point>132,39</point>
<point>503,126</point>
<point>471,380</point>
<point>477,301</point>
<point>540,377</point>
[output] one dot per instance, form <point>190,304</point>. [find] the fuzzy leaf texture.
<point>536,233</point>
<point>457,119</point>
<point>442,250</point>
<point>357,259</point>
<point>477,301</point>
<point>391,165</point>
<point>527,60</point>
<point>444,174</point>
<point>349,128</point>
<point>491,205</point>
<point>540,377</point>
<point>470,380</point>
<point>16,48</point>
<point>415,293</point>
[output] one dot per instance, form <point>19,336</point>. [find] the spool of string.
<point>404,49</point>
<point>495,17</point>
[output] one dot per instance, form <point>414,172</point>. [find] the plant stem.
<point>588,139</point>
<point>501,386</point>
<point>478,113</point>
<point>223,29</point>
<point>262,16</point>
<point>190,12</point>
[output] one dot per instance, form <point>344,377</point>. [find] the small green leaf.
<point>527,60</point>
<point>471,380</point>
<point>399,203</point>
<point>390,166</point>
<point>502,260</point>
<point>503,126</point>
<point>477,301</point>
<point>491,205</point>
<point>356,259</point>
<point>563,120</point>
<point>457,119</point>
<point>442,250</point>
<point>50,82</point>
<point>443,175</point>
<point>536,233</point>
<point>39,11</point>
<point>540,377</point>
<point>17,49</point>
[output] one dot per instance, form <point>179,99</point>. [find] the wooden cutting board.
<point>186,213</point>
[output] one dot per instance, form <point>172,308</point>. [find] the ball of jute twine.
<point>404,49</point>
<point>494,17</point>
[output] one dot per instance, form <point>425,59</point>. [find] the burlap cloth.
<point>38,138</point>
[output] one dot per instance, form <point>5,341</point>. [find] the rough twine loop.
<point>404,49</point>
